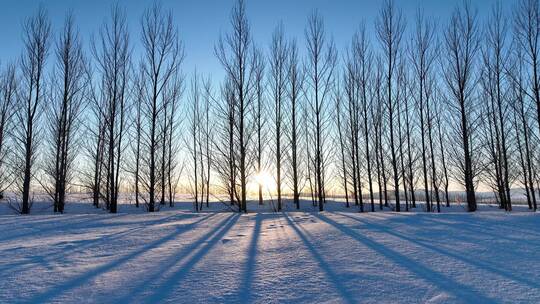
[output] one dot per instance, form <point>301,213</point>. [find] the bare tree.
<point>401,100</point>
<point>442,143</point>
<point>278,87</point>
<point>8,103</point>
<point>36,35</point>
<point>364,60</point>
<point>169,127</point>
<point>235,53</point>
<point>260,117</point>
<point>173,92</point>
<point>422,54</point>
<point>377,113</point>
<point>136,143</point>
<point>527,35</point>
<point>295,87</point>
<point>390,27</point>
<point>320,65</point>
<point>433,113</point>
<point>160,64</point>
<point>95,147</point>
<point>341,141</point>
<point>494,83</point>
<point>411,158</point>
<point>461,47</point>
<point>112,56</point>
<point>195,127</point>
<point>351,88</point>
<point>223,144</point>
<point>198,140</point>
<point>207,131</point>
<point>67,101</point>
<point>358,85</point>
<point>517,73</point>
<point>309,155</point>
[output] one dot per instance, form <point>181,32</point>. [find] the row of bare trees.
<point>404,117</point>
<point>396,119</point>
<point>93,109</point>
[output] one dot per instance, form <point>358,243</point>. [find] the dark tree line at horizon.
<point>404,111</point>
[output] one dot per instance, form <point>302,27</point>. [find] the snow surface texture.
<point>338,256</point>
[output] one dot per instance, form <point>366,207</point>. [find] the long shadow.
<point>173,260</point>
<point>164,290</point>
<point>50,257</point>
<point>47,228</point>
<point>50,225</point>
<point>461,226</point>
<point>478,224</point>
<point>37,219</point>
<point>443,282</point>
<point>334,278</point>
<point>85,277</point>
<point>510,227</point>
<point>250,266</point>
<point>477,263</point>
<point>73,229</point>
<point>465,227</point>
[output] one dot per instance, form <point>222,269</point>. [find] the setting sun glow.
<point>265,180</point>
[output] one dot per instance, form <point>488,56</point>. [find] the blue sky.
<point>200,22</point>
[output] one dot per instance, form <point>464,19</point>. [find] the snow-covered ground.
<point>337,256</point>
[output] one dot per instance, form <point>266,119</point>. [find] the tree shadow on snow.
<point>489,226</point>
<point>52,225</point>
<point>443,282</point>
<point>323,264</point>
<point>79,280</point>
<point>472,221</point>
<point>449,253</point>
<point>164,281</point>
<point>245,295</point>
<point>80,245</point>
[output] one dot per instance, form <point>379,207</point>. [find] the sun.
<point>265,180</point>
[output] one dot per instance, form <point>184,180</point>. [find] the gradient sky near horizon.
<point>201,22</point>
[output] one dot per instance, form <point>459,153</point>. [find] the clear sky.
<point>201,21</point>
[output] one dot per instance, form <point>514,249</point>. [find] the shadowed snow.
<point>337,256</point>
